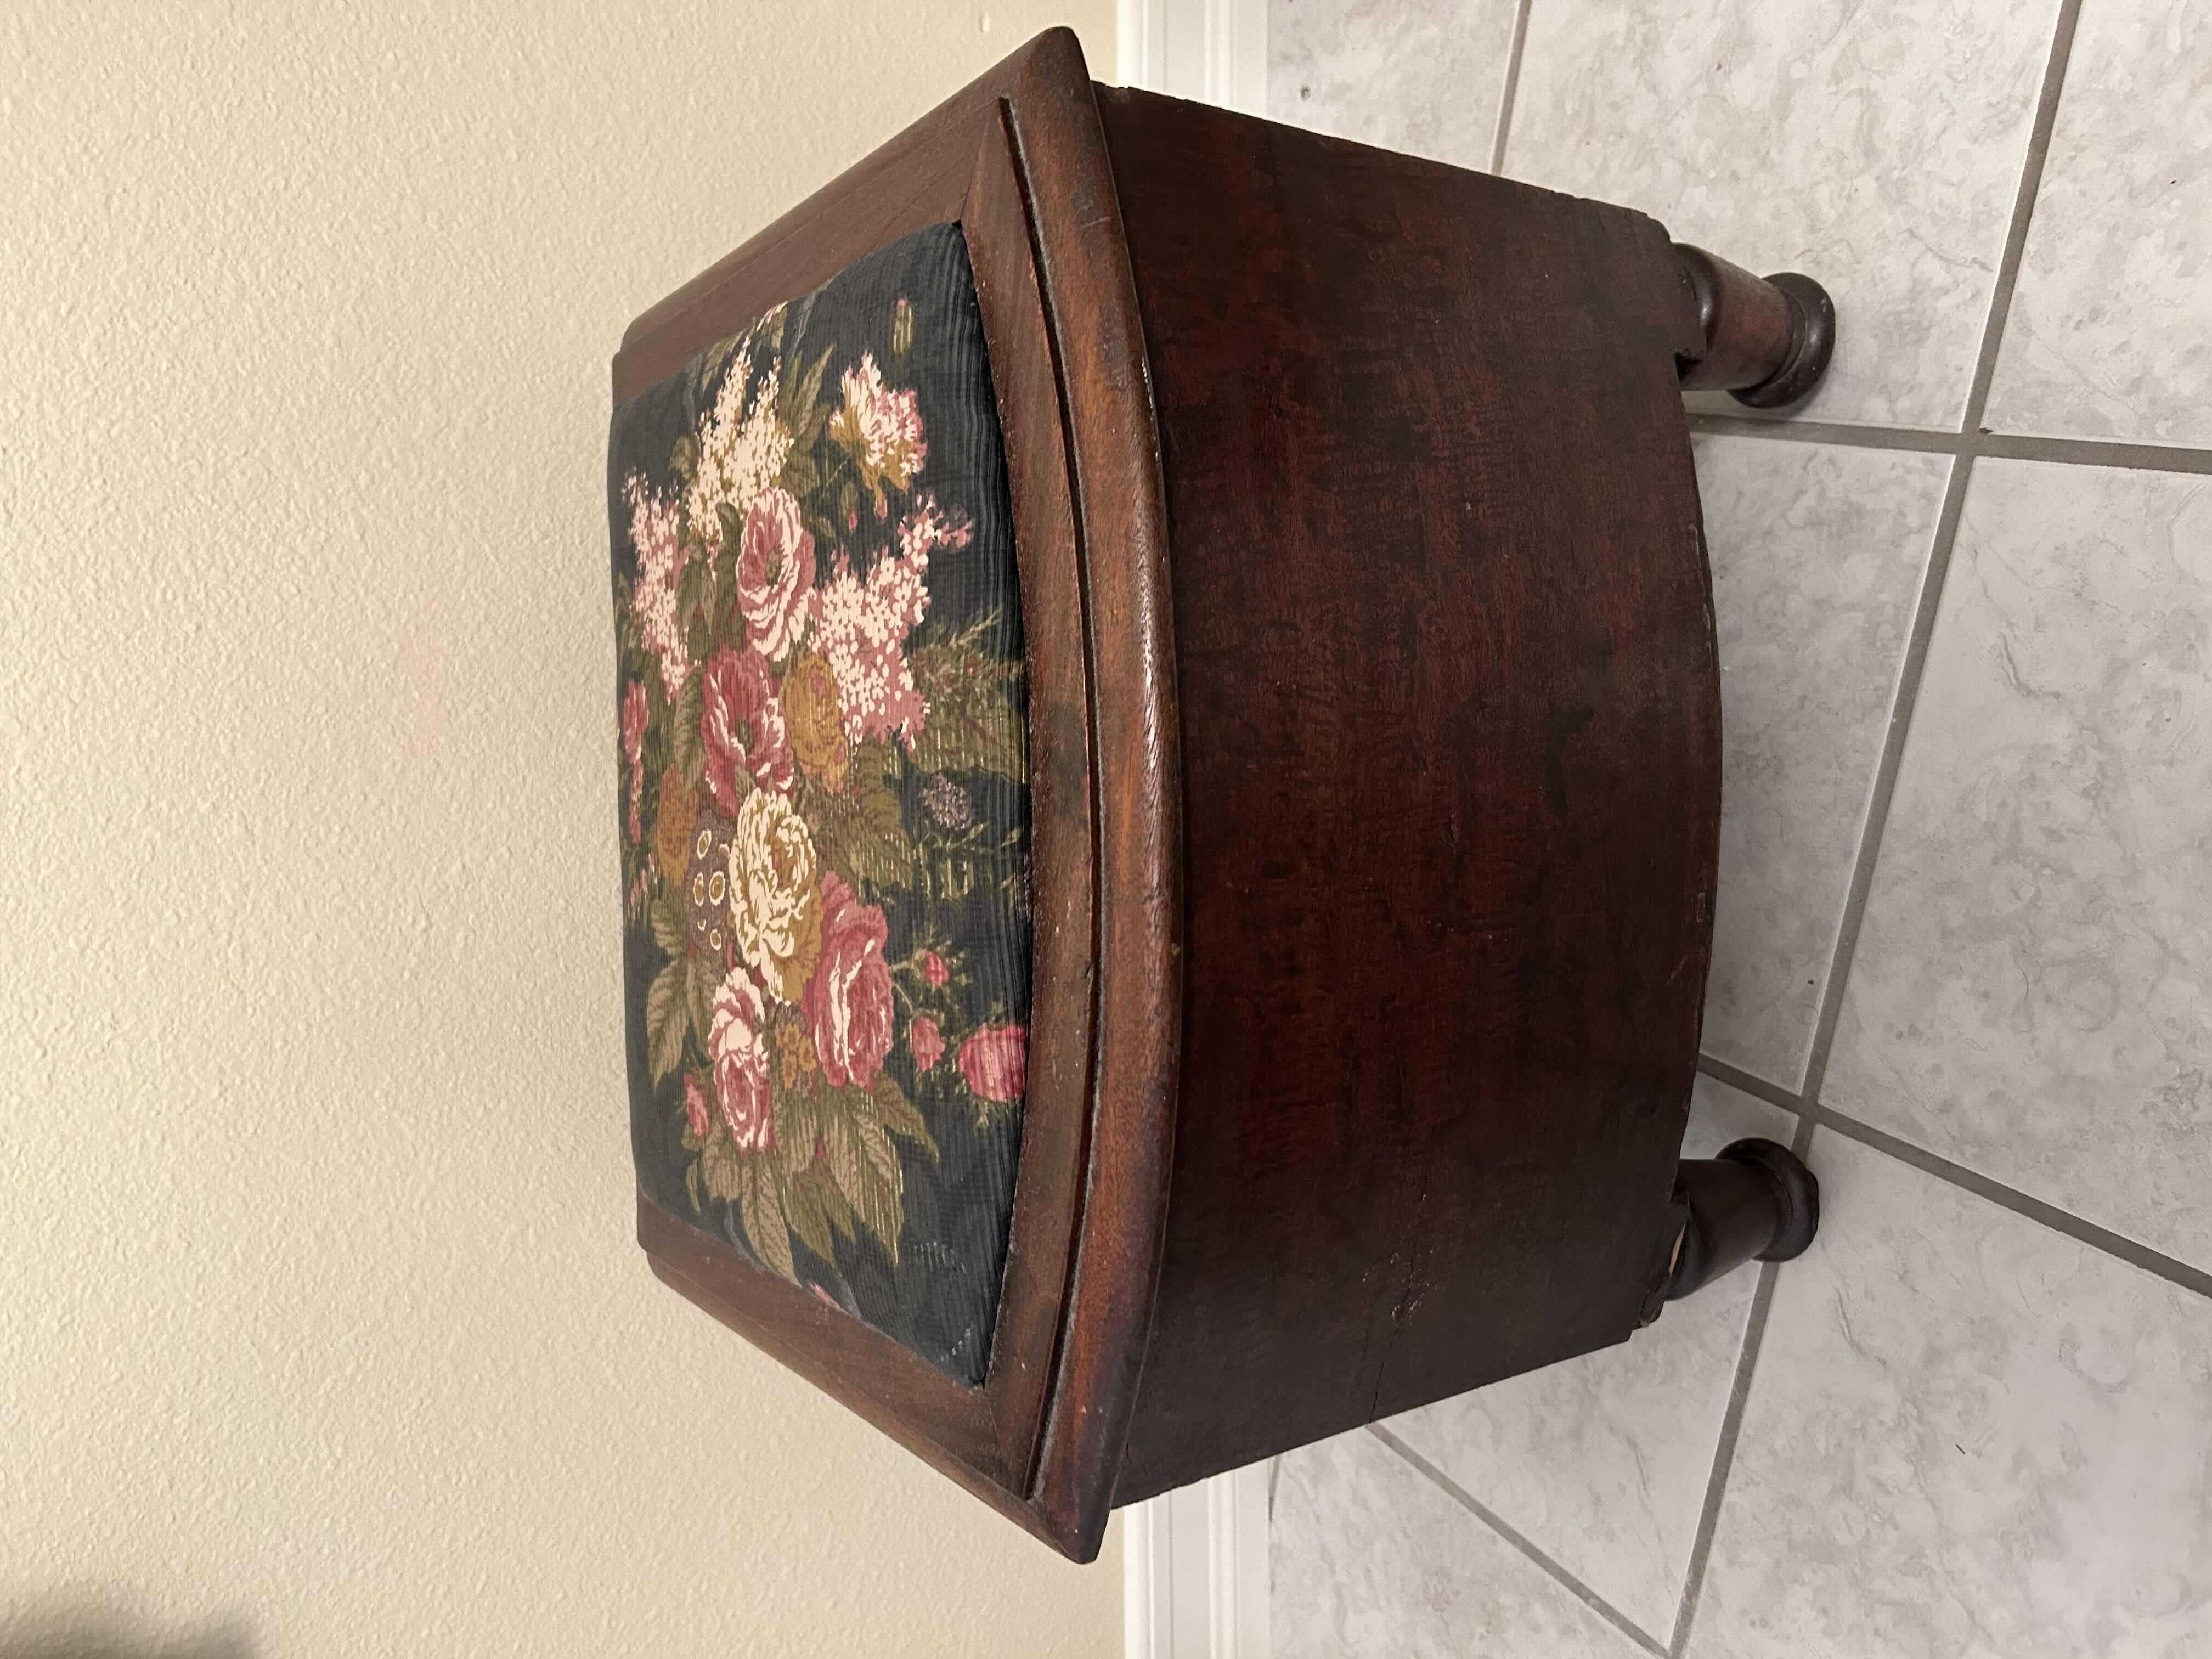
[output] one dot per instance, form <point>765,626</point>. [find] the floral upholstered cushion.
<point>824,798</point>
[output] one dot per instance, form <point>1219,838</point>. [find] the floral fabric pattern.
<point>824,798</point>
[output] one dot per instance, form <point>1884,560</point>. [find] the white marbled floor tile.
<point>1371,1559</point>
<point>2031,991</point>
<point>1425,77</point>
<point>2110,334</point>
<point>1968,1438</point>
<point>1875,144</point>
<point>1818,556</point>
<point>1603,1461</point>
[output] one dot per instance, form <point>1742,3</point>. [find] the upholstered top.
<point>824,798</point>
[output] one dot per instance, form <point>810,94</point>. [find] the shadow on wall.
<point>93,1627</point>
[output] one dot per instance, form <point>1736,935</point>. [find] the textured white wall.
<point>321,1331</point>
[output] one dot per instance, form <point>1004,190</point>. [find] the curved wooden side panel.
<point>1450,721</point>
<point>1115,460</point>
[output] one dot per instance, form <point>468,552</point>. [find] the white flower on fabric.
<point>742,449</point>
<point>654,526</point>
<point>861,624</point>
<point>776,907</point>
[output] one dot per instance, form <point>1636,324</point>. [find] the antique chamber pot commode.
<point>1170,775</point>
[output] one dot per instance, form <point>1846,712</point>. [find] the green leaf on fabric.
<point>669,917</point>
<point>761,1207</point>
<point>721,1169</point>
<point>973,726</point>
<point>834,1203</point>
<point>810,1221</point>
<point>877,1147</point>
<point>897,1115</point>
<point>702,983</point>
<point>685,753</point>
<point>866,1167</point>
<point>684,459</point>
<point>862,829</point>
<point>711,361</point>
<point>797,1126</point>
<point>665,1020</point>
<point>802,395</point>
<point>841,1153</point>
<point>691,589</point>
<point>728,623</point>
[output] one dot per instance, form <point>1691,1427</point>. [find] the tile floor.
<point>1964,942</point>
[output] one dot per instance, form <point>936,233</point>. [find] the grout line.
<point>1802,1142</point>
<point>1512,87</point>
<point>1876,820</point>
<point>2136,1255</point>
<point>1708,1518</point>
<point>1581,1592</point>
<point>2006,446</point>
<point>1939,557</point>
<point>2093,452</point>
<point>2034,1209</point>
<point>1828,432</point>
<point>2023,212</point>
<point>1752,1083</point>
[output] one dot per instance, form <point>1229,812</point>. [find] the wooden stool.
<point>1170,779</point>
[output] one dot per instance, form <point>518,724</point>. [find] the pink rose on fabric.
<point>775,572</point>
<point>996,1061</point>
<point>695,1105</point>
<point>934,969</point>
<point>927,1042</point>
<point>740,1058</point>
<point>848,1003</point>
<point>741,724</point>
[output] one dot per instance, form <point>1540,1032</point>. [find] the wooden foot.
<point>1767,339</point>
<point>1757,1200</point>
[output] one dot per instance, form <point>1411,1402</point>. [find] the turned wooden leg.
<point>1767,340</point>
<point>1757,1200</point>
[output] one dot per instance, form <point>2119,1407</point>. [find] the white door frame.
<point>1195,1562</point>
<point>1195,1571</point>
<point>1213,51</point>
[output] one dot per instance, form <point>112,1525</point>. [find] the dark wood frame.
<point>1019,159</point>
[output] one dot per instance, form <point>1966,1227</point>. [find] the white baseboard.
<point>1195,1562</point>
